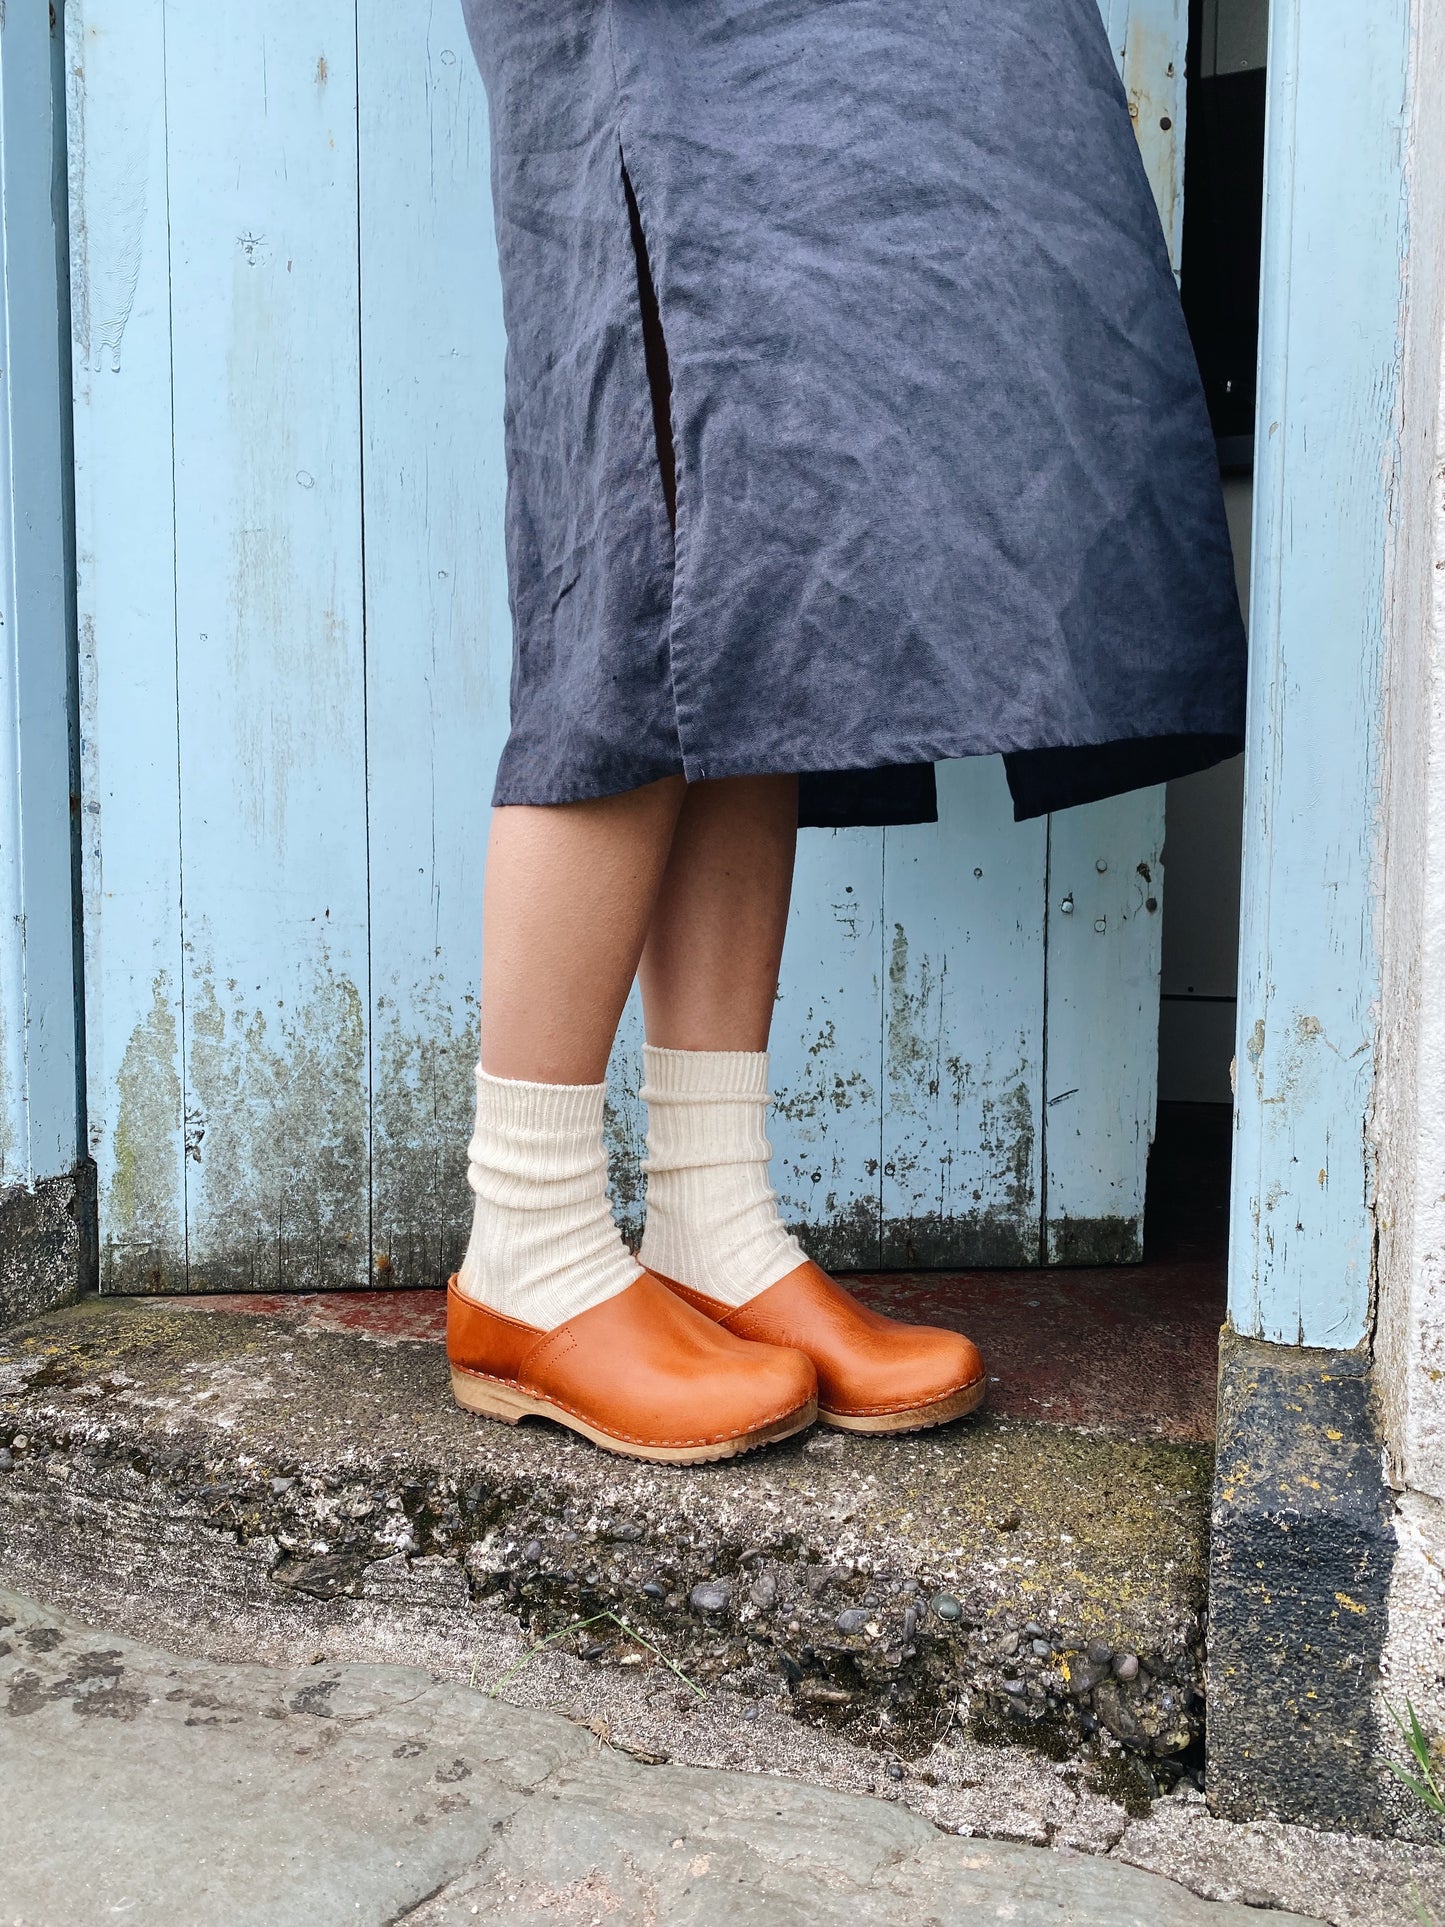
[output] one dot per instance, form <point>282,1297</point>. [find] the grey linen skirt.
<point>851,417</point>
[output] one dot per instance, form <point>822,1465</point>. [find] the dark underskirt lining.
<point>1040,780</point>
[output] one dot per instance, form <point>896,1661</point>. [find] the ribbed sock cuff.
<point>706,1074</point>
<point>512,1104</point>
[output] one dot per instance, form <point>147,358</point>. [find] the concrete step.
<point>274,1478</point>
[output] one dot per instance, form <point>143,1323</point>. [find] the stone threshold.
<point>288,1477</point>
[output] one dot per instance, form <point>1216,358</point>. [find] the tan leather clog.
<point>875,1374</point>
<point>643,1374</point>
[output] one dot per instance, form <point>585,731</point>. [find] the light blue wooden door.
<point>294,663</point>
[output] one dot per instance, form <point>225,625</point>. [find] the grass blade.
<point>576,1627</point>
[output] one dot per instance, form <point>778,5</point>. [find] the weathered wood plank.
<point>38,1112</point>
<point>125,574</point>
<point>1102,1026</point>
<point>1149,38</point>
<point>261,112</point>
<point>1326,456</point>
<point>827,1068</point>
<point>1102,1016</point>
<point>964,1029</point>
<point>437,623</point>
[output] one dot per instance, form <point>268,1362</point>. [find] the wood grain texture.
<point>827,1070</point>
<point>270,671</point>
<point>126,587</point>
<point>963,915</point>
<point>1326,457</point>
<point>438,632</point>
<point>1102,1014</point>
<point>38,1110</point>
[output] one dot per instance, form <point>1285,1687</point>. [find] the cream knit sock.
<point>712,1215</point>
<point>544,1245</point>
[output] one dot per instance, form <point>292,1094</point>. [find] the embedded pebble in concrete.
<point>764,1593</point>
<point>532,1552</point>
<point>709,1597</point>
<point>852,1619</point>
<point>1099,1653</point>
<point>1126,1666</point>
<point>946,1606</point>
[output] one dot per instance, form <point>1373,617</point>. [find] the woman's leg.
<point>709,969</point>
<point>569,898</point>
<point>709,979</point>
<point>569,894</point>
<point>709,976</point>
<point>552,1316</point>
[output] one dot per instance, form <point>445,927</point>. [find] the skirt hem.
<point>1042,778</point>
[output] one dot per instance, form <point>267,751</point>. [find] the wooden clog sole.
<point>496,1398</point>
<point>914,1418</point>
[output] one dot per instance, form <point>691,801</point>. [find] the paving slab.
<point>143,1785</point>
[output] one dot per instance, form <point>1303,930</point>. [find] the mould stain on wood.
<point>11,1169</point>
<point>624,1132</point>
<point>954,1198</point>
<point>276,1136</point>
<point>817,1170</point>
<point>423,1050</point>
<point>143,1218</point>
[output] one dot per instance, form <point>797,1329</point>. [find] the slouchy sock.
<point>544,1245</point>
<point>712,1214</point>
